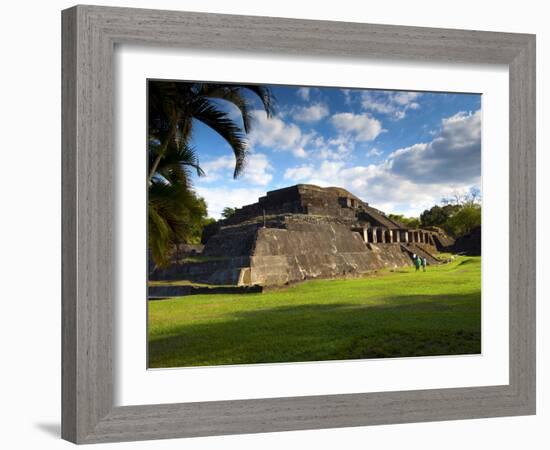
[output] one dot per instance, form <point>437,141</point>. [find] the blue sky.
<point>399,151</point>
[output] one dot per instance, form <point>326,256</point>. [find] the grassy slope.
<point>392,314</point>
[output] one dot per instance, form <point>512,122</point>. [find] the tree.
<point>228,212</point>
<point>459,215</point>
<point>199,222</point>
<point>437,216</point>
<point>464,220</point>
<point>471,197</point>
<point>410,222</point>
<point>174,210</point>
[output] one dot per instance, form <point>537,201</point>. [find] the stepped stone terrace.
<point>302,232</point>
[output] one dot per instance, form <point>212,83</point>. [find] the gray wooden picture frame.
<point>90,34</point>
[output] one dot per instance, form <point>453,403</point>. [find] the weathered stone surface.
<point>281,269</point>
<point>443,242</point>
<point>232,241</point>
<point>313,200</point>
<point>307,238</point>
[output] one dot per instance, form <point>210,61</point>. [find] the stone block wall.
<point>318,239</point>
<point>316,251</point>
<point>267,270</point>
<point>301,199</point>
<point>232,241</point>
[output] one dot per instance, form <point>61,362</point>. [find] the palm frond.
<point>173,211</point>
<point>208,113</point>
<point>265,95</point>
<point>233,95</point>
<point>175,162</point>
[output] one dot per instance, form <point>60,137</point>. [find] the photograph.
<point>299,223</point>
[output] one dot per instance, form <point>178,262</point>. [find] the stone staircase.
<point>412,248</point>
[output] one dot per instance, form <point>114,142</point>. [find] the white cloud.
<point>257,169</point>
<point>220,197</point>
<point>214,168</point>
<point>405,98</point>
<point>364,127</point>
<point>303,93</point>
<point>395,104</point>
<point>215,165</point>
<point>453,156</point>
<point>335,148</point>
<point>277,134</point>
<point>299,152</point>
<point>312,113</point>
<point>299,173</point>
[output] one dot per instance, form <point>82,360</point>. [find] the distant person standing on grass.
<point>424,264</point>
<point>417,263</point>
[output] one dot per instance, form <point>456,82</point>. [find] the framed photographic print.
<point>277,224</point>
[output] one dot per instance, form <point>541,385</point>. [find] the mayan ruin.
<point>304,232</point>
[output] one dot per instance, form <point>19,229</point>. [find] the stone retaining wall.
<point>253,255</point>
<point>268,270</point>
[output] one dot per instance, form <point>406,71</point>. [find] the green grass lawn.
<point>391,314</point>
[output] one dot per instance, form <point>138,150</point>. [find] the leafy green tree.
<point>228,212</point>
<point>437,216</point>
<point>199,222</point>
<point>174,210</point>
<point>464,220</point>
<point>410,222</point>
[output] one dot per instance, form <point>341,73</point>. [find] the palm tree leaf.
<point>265,95</point>
<point>233,95</point>
<point>208,113</point>
<point>175,162</point>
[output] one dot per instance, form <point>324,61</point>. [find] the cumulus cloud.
<point>335,148</point>
<point>277,134</point>
<point>312,113</point>
<point>257,169</point>
<point>453,156</point>
<point>363,127</point>
<point>215,165</point>
<point>394,104</point>
<point>298,173</point>
<point>329,171</point>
